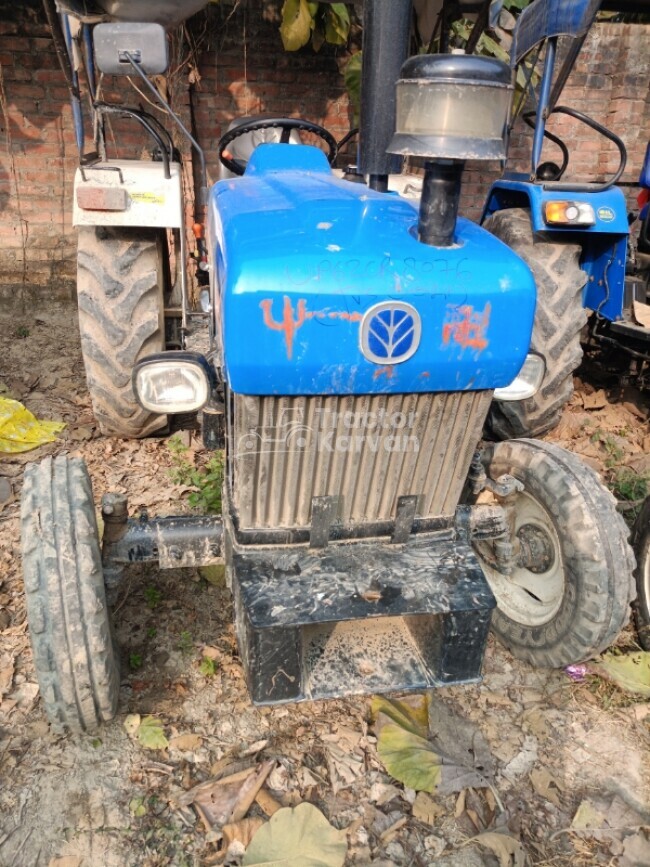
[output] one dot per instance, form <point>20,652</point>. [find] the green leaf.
<point>403,746</point>
<point>151,735</point>
<point>352,79</point>
<point>428,747</point>
<point>337,24</point>
<point>297,24</point>
<point>297,837</point>
<point>630,672</point>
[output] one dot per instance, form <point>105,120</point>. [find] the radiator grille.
<point>367,449</point>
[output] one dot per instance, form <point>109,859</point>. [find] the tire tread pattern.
<point>74,651</point>
<point>121,319</point>
<point>559,319</point>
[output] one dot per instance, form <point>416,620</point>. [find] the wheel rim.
<point>529,597</point>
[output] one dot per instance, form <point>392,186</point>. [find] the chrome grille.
<point>366,449</point>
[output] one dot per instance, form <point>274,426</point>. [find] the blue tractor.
<point>591,285</point>
<point>358,342</point>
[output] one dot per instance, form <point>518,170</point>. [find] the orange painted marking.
<point>388,372</point>
<point>290,323</point>
<point>467,327</point>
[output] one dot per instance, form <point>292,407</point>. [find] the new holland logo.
<point>390,332</point>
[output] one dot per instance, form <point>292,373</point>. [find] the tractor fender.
<point>604,245</point>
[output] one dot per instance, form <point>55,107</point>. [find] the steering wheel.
<point>286,124</point>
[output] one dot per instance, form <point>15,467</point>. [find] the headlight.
<point>172,382</point>
<point>527,382</point>
<point>569,214</point>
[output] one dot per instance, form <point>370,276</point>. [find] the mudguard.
<point>604,245</point>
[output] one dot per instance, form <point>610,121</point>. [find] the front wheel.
<point>641,542</point>
<point>569,592</point>
<point>74,651</point>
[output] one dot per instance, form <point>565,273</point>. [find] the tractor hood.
<point>323,288</point>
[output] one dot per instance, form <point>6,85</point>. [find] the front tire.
<point>573,598</point>
<point>559,319</point>
<point>641,543</point>
<point>75,655</point>
<point>120,277</point>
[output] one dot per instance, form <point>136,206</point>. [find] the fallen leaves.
<point>509,851</point>
<point>297,837</point>
<point>630,672</point>
<point>148,732</point>
<point>226,800</point>
<point>429,748</point>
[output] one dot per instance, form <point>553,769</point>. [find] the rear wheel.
<point>569,592</point>
<point>559,319</point>
<point>641,542</point>
<point>74,651</point>
<point>120,276</point>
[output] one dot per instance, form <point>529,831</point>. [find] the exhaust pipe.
<point>386,28</point>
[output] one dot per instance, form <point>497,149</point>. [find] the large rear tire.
<point>120,276</point>
<point>75,655</point>
<point>573,597</point>
<point>559,319</point>
<point>641,542</point>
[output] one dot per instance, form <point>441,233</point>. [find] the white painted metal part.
<point>151,199</point>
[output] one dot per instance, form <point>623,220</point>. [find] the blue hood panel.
<point>324,289</point>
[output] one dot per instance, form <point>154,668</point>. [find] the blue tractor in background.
<point>574,236</point>
<point>357,344</point>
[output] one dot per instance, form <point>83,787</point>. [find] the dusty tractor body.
<point>357,343</point>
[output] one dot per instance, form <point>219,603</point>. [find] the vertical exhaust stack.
<point>449,108</point>
<point>386,28</point>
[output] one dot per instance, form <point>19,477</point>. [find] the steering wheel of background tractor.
<point>286,124</point>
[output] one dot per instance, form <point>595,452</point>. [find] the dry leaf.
<point>546,785</point>
<point>267,802</point>
<point>587,816</point>
<point>509,851</point>
<point>132,724</point>
<point>220,802</point>
<point>426,746</point>
<point>425,809</point>
<point>241,832</point>
<point>186,742</point>
<point>297,837</point>
<point>65,861</point>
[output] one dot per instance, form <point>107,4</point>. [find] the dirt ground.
<point>105,800</point>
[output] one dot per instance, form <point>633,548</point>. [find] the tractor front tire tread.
<point>599,563</point>
<point>559,319</point>
<point>73,646</point>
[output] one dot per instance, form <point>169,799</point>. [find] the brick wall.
<point>238,68</point>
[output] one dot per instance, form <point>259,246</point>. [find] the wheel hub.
<point>537,552</point>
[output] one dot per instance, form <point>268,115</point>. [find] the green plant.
<point>152,632</point>
<point>320,22</point>
<point>22,331</point>
<point>626,484</point>
<point>208,667</point>
<point>205,479</point>
<point>152,596</point>
<point>185,642</point>
<point>135,661</point>
<point>613,449</point>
